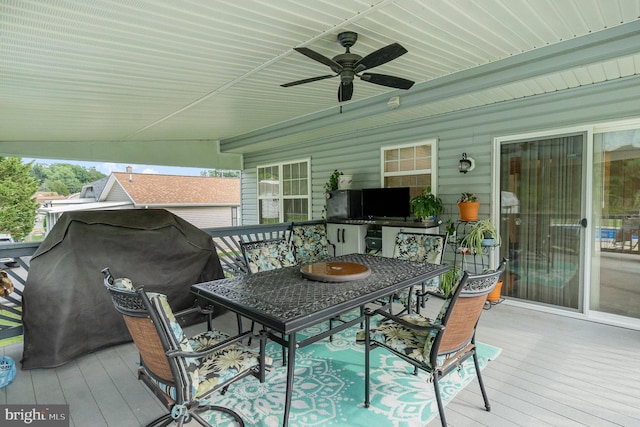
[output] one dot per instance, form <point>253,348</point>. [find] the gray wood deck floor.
<point>553,371</point>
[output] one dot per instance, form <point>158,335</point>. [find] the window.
<point>234,216</point>
<point>284,192</point>
<point>410,165</point>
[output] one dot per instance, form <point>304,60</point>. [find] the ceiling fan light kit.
<point>350,65</point>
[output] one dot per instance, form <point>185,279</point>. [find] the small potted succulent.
<point>427,206</point>
<point>468,205</point>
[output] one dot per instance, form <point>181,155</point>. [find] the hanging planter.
<point>468,206</point>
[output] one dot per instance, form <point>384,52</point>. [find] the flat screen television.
<point>386,202</point>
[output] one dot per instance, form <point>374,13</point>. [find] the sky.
<point>106,167</point>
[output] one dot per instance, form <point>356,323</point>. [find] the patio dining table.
<point>285,300</point>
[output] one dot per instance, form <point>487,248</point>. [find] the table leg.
<point>291,363</point>
<point>263,345</point>
<point>367,356</point>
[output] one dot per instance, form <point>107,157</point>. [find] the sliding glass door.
<point>615,258</point>
<point>541,218</point>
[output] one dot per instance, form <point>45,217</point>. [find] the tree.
<point>63,173</point>
<point>17,205</point>
<point>59,187</point>
<point>58,175</point>
<point>221,173</point>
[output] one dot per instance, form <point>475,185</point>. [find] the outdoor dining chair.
<point>419,247</point>
<point>438,346</point>
<point>182,371</point>
<point>265,255</point>
<point>310,243</point>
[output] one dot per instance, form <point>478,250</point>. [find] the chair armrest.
<point>430,326</point>
<point>206,310</point>
<point>203,308</point>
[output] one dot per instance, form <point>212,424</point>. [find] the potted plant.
<point>345,181</point>
<point>427,205</point>
<point>329,186</point>
<point>483,233</point>
<point>449,279</point>
<point>332,184</point>
<point>494,296</point>
<point>450,228</point>
<point>468,205</point>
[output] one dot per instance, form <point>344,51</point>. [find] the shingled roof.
<point>154,189</point>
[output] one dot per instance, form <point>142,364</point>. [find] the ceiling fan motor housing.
<point>347,61</point>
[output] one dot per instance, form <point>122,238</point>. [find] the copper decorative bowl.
<point>335,271</point>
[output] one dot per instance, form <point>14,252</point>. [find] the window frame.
<point>280,196</point>
<point>433,172</point>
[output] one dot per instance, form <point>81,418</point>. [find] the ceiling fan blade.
<point>309,80</point>
<point>380,56</point>
<point>385,80</point>
<point>335,67</point>
<point>345,92</point>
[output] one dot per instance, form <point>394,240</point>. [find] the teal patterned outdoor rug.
<point>329,388</point>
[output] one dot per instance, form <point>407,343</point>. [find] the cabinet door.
<point>334,236</point>
<point>348,239</point>
<point>353,241</point>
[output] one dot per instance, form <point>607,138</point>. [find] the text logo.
<point>34,415</point>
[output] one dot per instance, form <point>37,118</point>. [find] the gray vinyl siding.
<point>471,131</point>
<point>117,194</point>
<point>204,216</point>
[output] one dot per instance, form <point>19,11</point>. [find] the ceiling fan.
<point>349,65</point>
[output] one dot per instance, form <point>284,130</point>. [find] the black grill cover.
<point>68,311</point>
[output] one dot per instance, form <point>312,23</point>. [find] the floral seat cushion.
<point>419,248</point>
<point>123,283</point>
<point>310,242</point>
<point>208,372</point>
<point>413,344</point>
<point>268,255</point>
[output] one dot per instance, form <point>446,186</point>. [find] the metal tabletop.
<point>285,302</point>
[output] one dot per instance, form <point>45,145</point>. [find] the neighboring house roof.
<point>154,189</point>
<point>94,189</point>
<point>43,197</point>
